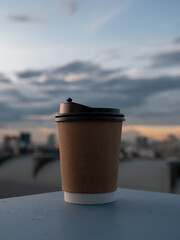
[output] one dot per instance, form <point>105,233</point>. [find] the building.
<point>142,142</point>
<point>24,142</point>
<point>51,141</point>
<point>11,144</point>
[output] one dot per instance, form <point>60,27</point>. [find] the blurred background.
<point>120,53</point>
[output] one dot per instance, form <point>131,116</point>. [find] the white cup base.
<point>92,198</point>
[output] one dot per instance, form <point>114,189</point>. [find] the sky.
<point>123,54</point>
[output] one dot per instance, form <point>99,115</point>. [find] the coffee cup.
<point>89,144</point>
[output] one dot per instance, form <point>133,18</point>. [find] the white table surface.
<point>134,215</point>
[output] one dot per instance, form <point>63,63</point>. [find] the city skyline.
<point>130,133</point>
<point>123,54</point>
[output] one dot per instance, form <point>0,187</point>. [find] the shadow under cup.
<point>89,144</point>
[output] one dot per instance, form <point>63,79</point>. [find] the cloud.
<point>8,113</point>
<point>30,74</point>
<point>123,84</point>
<point>86,67</point>
<point>23,18</point>
<point>78,67</point>
<point>51,81</point>
<point>177,40</point>
<point>147,87</point>
<point>73,71</point>
<point>127,93</point>
<point>95,86</point>
<point>22,106</point>
<point>15,98</point>
<point>12,92</point>
<point>168,59</point>
<point>4,79</point>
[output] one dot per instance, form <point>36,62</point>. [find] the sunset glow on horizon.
<point>40,134</point>
<point>156,132</point>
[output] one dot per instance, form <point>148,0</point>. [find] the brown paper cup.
<point>89,153</point>
<point>89,157</point>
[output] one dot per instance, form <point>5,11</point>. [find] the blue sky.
<point>123,54</point>
<point>56,32</point>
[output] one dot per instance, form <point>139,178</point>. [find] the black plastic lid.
<point>71,111</point>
